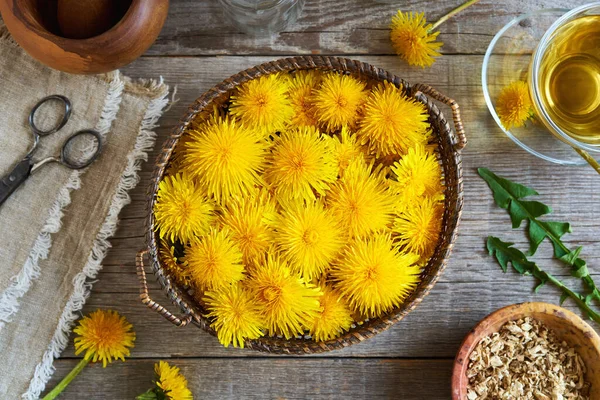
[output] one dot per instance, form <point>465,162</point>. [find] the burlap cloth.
<point>54,228</point>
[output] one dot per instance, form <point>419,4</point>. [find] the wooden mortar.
<point>27,21</point>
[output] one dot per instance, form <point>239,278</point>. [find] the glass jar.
<point>262,17</point>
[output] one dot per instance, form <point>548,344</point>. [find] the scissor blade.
<point>11,181</point>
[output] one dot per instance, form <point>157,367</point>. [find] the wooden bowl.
<point>27,21</point>
<point>566,325</point>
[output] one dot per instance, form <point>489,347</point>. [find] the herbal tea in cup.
<point>566,76</point>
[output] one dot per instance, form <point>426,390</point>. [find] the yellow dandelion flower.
<point>226,157</point>
<point>418,227</point>
<point>263,103</point>
<point>346,149</point>
<point>514,105</point>
<point>335,318</point>
<point>301,163</point>
<point>214,261</point>
<point>361,200</point>
<point>310,238</point>
<point>418,173</point>
<point>182,211</point>
<point>373,277</point>
<point>236,315</point>
<point>286,303</point>
<point>250,221</point>
<point>338,100</point>
<point>413,39</point>
<point>174,268</point>
<point>392,122</point>
<point>104,335</point>
<point>302,85</point>
<point>170,383</point>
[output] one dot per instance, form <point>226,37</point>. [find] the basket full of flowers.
<point>304,205</point>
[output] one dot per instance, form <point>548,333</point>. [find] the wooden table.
<point>413,360</point>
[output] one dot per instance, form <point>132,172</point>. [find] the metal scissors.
<point>10,182</point>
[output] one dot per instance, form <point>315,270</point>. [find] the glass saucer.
<point>506,60</point>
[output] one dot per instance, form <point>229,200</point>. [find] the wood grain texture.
<point>271,379</point>
<point>338,27</point>
<point>413,360</point>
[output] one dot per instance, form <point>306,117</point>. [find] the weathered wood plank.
<point>337,27</point>
<point>269,379</point>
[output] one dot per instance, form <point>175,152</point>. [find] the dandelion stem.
<point>453,13</point>
<point>67,379</point>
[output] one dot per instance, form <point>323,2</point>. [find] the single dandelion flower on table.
<point>104,335</point>
<point>418,174</point>
<point>302,85</point>
<point>286,303</point>
<point>413,39</point>
<point>226,157</point>
<point>346,149</point>
<point>182,210</point>
<point>335,318</point>
<point>301,163</point>
<point>310,238</point>
<point>514,105</point>
<point>215,260</point>
<point>361,199</point>
<point>170,384</point>
<point>263,103</point>
<point>418,228</point>
<point>236,315</point>
<point>250,220</point>
<point>373,276</point>
<point>174,268</point>
<point>392,122</point>
<point>338,100</point>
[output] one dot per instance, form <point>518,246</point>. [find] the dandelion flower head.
<point>418,173</point>
<point>236,315</point>
<point>514,105</point>
<point>347,149</point>
<point>263,103</point>
<point>310,238</point>
<point>418,227</point>
<point>413,39</point>
<point>335,318</point>
<point>171,383</point>
<point>301,163</point>
<point>361,199</point>
<point>182,210</point>
<point>226,157</point>
<point>104,335</point>
<point>302,85</point>
<point>373,277</point>
<point>392,122</point>
<point>250,220</point>
<point>215,260</point>
<point>287,304</point>
<point>338,100</point>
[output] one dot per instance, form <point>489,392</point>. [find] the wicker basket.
<point>449,143</point>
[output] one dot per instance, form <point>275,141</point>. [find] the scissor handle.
<point>88,158</point>
<point>11,181</point>
<point>67,114</point>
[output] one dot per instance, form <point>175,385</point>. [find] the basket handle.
<point>145,297</point>
<point>461,139</point>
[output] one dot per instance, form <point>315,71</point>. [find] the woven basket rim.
<point>452,164</point>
